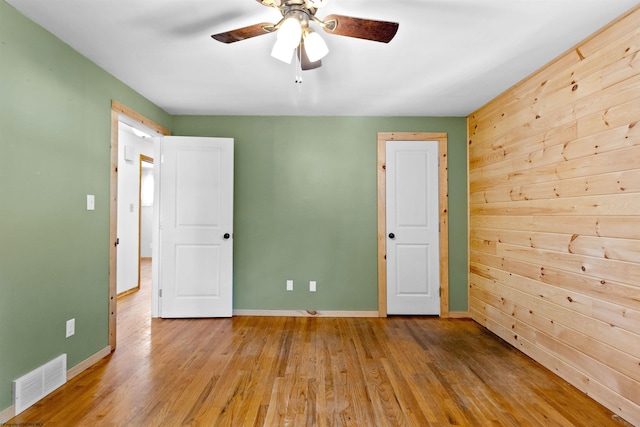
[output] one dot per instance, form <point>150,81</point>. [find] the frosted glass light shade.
<point>282,51</point>
<point>316,47</point>
<point>288,38</point>
<point>290,32</point>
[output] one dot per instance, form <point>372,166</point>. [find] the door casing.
<point>443,207</point>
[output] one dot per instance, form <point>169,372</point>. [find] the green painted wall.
<point>54,150</point>
<point>306,207</point>
<point>305,201</point>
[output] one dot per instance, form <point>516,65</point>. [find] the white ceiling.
<point>448,58</point>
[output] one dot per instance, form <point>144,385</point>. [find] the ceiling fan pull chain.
<point>298,68</point>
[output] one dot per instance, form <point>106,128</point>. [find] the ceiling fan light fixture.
<point>315,46</point>
<point>282,51</point>
<point>288,38</point>
<point>294,33</point>
<point>290,32</point>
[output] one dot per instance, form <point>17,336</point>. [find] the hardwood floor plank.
<point>275,371</point>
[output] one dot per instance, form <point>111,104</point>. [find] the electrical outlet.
<point>312,286</point>
<point>71,327</point>
<point>289,285</point>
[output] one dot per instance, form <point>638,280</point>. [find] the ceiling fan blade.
<point>305,63</point>
<point>367,29</point>
<point>244,33</point>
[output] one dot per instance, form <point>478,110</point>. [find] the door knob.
<point>226,236</point>
<point>392,236</point>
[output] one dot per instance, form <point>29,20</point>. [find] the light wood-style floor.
<point>275,371</point>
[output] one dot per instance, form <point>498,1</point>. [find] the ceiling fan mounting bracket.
<point>299,12</point>
<point>329,25</point>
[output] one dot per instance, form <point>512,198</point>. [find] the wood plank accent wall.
<point>554,216</point>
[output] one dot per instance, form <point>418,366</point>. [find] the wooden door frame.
<point>117,109</point>
<point>443,197</point>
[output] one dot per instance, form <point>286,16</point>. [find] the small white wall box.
<point>129,154</point>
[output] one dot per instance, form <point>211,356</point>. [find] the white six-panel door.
<point>195,253</point>
<point>413,267</point>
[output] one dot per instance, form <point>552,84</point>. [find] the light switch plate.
<point>91,202</point>
<point>71,327</point>
<point>312,286</point>
<point>289,285</point>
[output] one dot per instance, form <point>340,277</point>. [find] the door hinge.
<point>162,158</point>
<point>160,293</point>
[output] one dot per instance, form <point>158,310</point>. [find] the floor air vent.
<point>35,385</point>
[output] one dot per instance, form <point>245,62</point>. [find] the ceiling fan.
<point>295,34</point>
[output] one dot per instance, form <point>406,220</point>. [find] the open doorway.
<point>135,174</point>
<point>145,216</point>
<point>124,155</point>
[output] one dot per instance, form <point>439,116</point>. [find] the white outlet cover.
<point>312,286</point>
<point>289,285</point>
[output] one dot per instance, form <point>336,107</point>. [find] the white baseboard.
<point>8,413</point>
<point>329,313</point>
<point>305,313</point>
<point>88,362</point>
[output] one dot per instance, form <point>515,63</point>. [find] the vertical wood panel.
<point>554,216</point>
